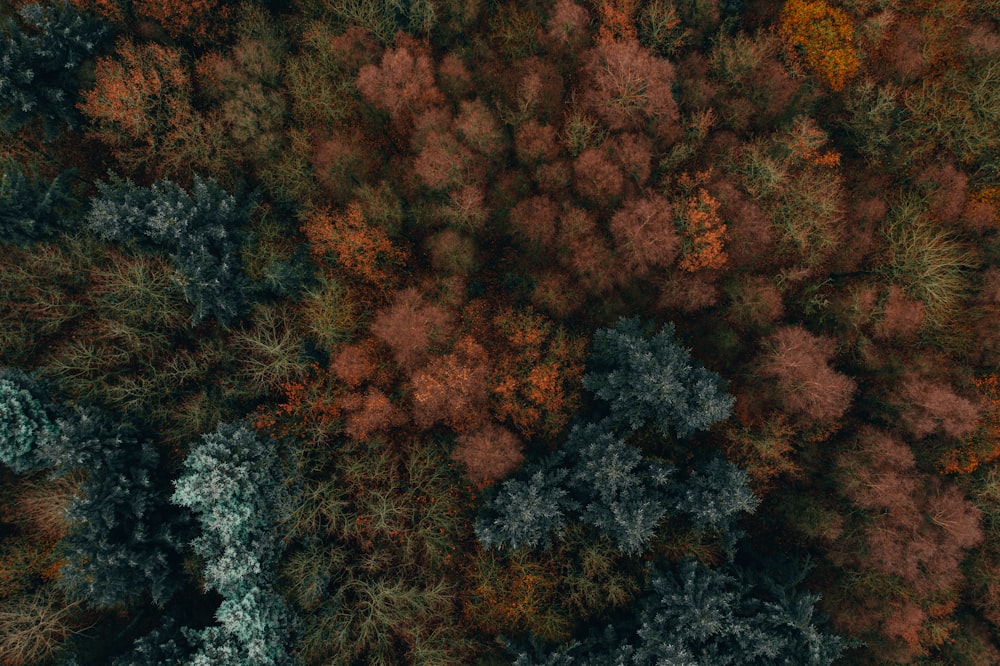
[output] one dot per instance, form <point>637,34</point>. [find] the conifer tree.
<point>39,60</point>
<point>200,232</point>
<point>31,208</point>
<point>27,420</point>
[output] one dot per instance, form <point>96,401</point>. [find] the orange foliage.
<point>536,377</point>
<point>983,445</point>
<point>452,389</point>
<point>704,232</point>
<point>617,19</point>
<point>110,10</point>
<point>361,250</point>
<point>352,365</point>
<point>825,37</point>
<point>194,19</point>
<point>369,414</point>
<point>512,598</point>
<point>309,406</point>
<point>140,95</point>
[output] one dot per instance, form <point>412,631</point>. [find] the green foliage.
<point>651,379</point>
<point>39,61</point>
<point>27,420</point>
<point>200,232</point>
<point>31,209</point>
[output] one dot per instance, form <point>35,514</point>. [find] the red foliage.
<point>810,391</point>
<point>597,178</point>
<point>140,95</point>
<point>634,152</point>
<point>933,407</point>
<point>369,414</point>
<point>982,446</point>
<point>644,233</point>
<point>555,293</point>
<point>352,365</point>
<point>688,293</point>
<point>193,19</point>
<point>901,316</point>
<point>341,161</point>
<point>948,193</point>
<point>630,88</point>
<point>750,236</point>
<point>452,389</point>
<point>535,219</point>
<point>488,454</point>
<point>538,372</point>
<point>454,77</point>
<point>402,84</point>
<point>478,128</point>
<point>412,327</point>
<point>535,143</point>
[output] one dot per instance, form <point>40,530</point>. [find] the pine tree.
<point>653,380</point>
<point>200,232</point>
<point>38,64</point>
<point>31,208</point>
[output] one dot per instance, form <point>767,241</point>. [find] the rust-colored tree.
<point>412,328</point>
<point>825,37</point>
<point>488,454</point>
<point>402,84</point>
<point>645,235</point>
<point>453,389</point>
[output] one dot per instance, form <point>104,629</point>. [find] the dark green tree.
<point>652,379</point>
<point>122,540</point>
<point>27,420</point>
<point>39,59</point>
<point>201,232</point>
<point>31,208</point>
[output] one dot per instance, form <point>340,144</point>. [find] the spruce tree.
<point>31,208</point>
<point>27,420</point>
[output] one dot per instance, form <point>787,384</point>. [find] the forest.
<point>499,332</point>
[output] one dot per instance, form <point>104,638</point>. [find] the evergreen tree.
<point>39,60</point>
<point>200,231</point>
<point>31,208</point>
<point>653,380</point>
<point>27,420</point>
<point>232,481</point>
<point>121,541</point>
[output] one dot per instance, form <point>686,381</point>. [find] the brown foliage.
<point>352,365</point>
<point>194,19</point>
<point>948,191</point>
<point>555,293</point>
<point>364,252</point>
<point>933,407</point>
<point>412,327</point>
<point>634,152</point>
<point>535,143</point>
<point>750,237</point>
<point>452,389</point>
<point>630,89</point>
<point>901,316</point>
<point>585,252</point>
<point>535,219</point>
<point>369,414</point>
<point>756,302</point>
<point>402,84</point>
<point>644,233</point>
<point>567,29</point>
<point>488,454</point>
<point>809,390</point>
<point>688,293</point>
<point>704,233</point>
<point>478,128</point>
<point>341,160</point>
<point>597,178</point>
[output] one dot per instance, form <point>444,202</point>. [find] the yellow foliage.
<point>824,36</point>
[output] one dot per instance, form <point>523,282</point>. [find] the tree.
<point>700,616</point>
<point>31,208</point>
<point>825,36</point>
<point>39,63</point>
<point>199,231</point>
<point>27,420</point>
<point>122,539</point>
<point>651,379</point>
<point>644,234</point>
<point>233,483</point>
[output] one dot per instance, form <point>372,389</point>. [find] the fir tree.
<point>200,232</point>
<point>27,420</point>
<point>653,380</point>
<point>39,60</point>
<point>31,208</point>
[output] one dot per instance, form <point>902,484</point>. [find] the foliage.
<point>27,420</point>
<point>32,209</point>
<point>199,231</point>
<point>651,379</point>
<point>39,64</point>
<point>825,36</point>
